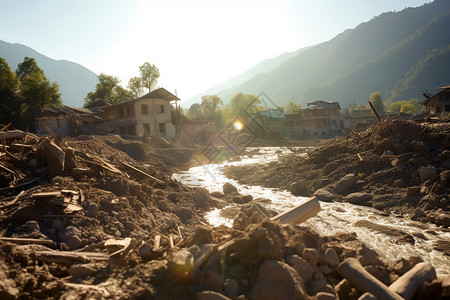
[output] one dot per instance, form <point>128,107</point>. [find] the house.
<point>361,115</point>
<point>321,119</point>
<point>150,114</point>
<point>439,102</point>
<point>271,119</point>
<point>68,121</point>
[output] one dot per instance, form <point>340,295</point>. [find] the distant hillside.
<point>261,68</point>
<point>75,81</point>
<point>397,53</point>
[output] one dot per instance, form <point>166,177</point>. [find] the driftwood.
<point>407,285</point>
<point>376,115</point>
<point>363,281</point>
<point>27,241</point>
<point>143,173</point>
<point>16,135</point>
<point>300,213</point>
<point>69,258</point>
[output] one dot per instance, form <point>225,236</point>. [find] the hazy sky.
<point>194,43</point>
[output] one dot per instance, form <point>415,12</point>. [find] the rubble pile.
<point>98,217</point>
<point>402,167</point>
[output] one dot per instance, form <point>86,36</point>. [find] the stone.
<point>210,295</point>
<point>299,187</point>
<point>357,198</point>
<point>32,226</point>
<point>58,224</point>
<point>82,271</point>
<point>91,210</point>
<point>345,184</point>
<point>419,213</point>
<point>446,286</point>
<point>325,296</point>
<point>70,236</point>
<point>330,257</point>
<point>324,195</point>
<point>145,250</point>
<point>228,188</point>
<point>231,287</point>
<point>303,268</point>
<point>311,255</point>
<point>418,146</point>
<point>181,262</point>
<point>324,269</point>
<point>443,220</point>
<point>401,266</point>
<point>241,221</point>
<point>278,280</point>
<point>426,173</point>
<point>445,178</point>
<point>242,199</point>
<point>214,280</point>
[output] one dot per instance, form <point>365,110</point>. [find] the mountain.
<point>75,81</point>
<point>397,53</point>
<point>261,68</point>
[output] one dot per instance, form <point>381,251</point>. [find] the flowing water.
<point>334,217</point>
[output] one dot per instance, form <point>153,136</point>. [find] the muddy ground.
<point>98,217</point>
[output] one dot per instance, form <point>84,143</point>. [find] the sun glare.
<point>238,125</point>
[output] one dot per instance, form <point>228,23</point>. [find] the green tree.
<point>377,102</point>
<point>149,75</point>
<point>408,108</point>
<point>415,102</point>
<point>195,111</point>
<point>108,89</point>
<point>293,108</point>
<point>136,87</point>
<point>9,100</point>
<point>27,67</point>
<point>209,105</point>
<point>395,107</point>
<point>243,106</point>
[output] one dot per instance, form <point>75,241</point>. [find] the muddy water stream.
<point>334,217</point>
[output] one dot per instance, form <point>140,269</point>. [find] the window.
<point>146,128</point>
<point>438,109</point>
<point>144,109</point>
<point>121,113</point>
<point>447,108</point>
<point>162,128</point>
<point>131,130</point>
<point>129,110</point>
<point>162,108</point>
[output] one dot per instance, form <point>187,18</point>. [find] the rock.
<point>445,178</point>
<point>241,221</point>
<point>419,213</point>
<point>210,295</point>
<point>214,280</point>
<point>324,269</point>
<point>311,255</point>
<point>70,236</point>
<point>91,210</point>
<point>343,289</point>
<point>254,207</point>
<point>32,226</point>
<point>385,145</point>
<point>277,280</point>
<point>58,224</point>
<point>443,220</point>
<point>145,250</point>
<point>299,187</point>
<point>426,173</point>
<point>324,195</point>
<point>401,266</point>
<point>357,198</point>
<point>181,262</point>
<point>398,183</point>
<point>82,271</point>
<point>345,184</point>
<point>242,199</point>
<point>446,286</point>
<point>228,188</point>
<point>303,268</point>
<point>325,296</point>
<point>418,146</point>
<point>8,289</point>
<point>330,257</point>
<point>231,288</point>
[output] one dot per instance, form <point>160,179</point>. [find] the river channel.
<point>334,217</point>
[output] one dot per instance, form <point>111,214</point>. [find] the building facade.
<point>439,102</point>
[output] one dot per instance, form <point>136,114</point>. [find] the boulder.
<point>324,195</point>
<point>70,236</point>
<point>303,268</point>
<point>299,187</point>
<point>345,184</point>
<point>241,221</point>
<point>330,257</point>
<point>357,198</point>
<point>443,220</point>
<point>311,255</point>
<point>418,146</point>
<point>242,199</point>
<point>91,210</point>
<point>278,280</point>
<point>228,188</point>
<point>231,287</point>
<point>426,173</point>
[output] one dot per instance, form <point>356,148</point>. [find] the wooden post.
<point>300,213</point>
<point>407,285</point>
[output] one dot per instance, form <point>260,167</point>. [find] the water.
<point>334,217</point>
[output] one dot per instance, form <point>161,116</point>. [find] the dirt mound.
<point>403,166</point>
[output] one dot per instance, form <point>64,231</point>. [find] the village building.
<point>271,119</point>
<point>437,103</point>
<point>359,115</point>
<point>321,119</point>
<point>69,121</point>
<point>150,114</point>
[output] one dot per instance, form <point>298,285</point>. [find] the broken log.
<point>27,241</point>
<point>363,281</point>
<point>407,285</point>
<point>300,213</point>
<point>143,173</point>
<point>69,258</point>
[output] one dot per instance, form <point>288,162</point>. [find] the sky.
<point>195,43</point>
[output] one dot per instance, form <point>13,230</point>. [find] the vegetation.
<point>412,106</point>
<point>377,102</point>
<point>109,89</point>
<point>292,108</point>
<point>25,91</point>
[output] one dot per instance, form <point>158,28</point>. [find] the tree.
<point>108,89</point>
<point>395,107</point>
<point>408,108</point>
<point>195,111</point>
<point>136,87</point>
<point>149,75</point>
<point>243,106</point>
<point>415,102</point>
<point>209,105</point>
<point>377,102</point>
<point>27,67</point>
<point>9,100</point>
<point>293,108</point>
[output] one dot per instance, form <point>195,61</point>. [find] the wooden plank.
<point>157,244</point>
<point>300,213</point>
<point>46,194</point>
<point>66,257</point>
<point>27,241</point>
<point>143,173</point>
